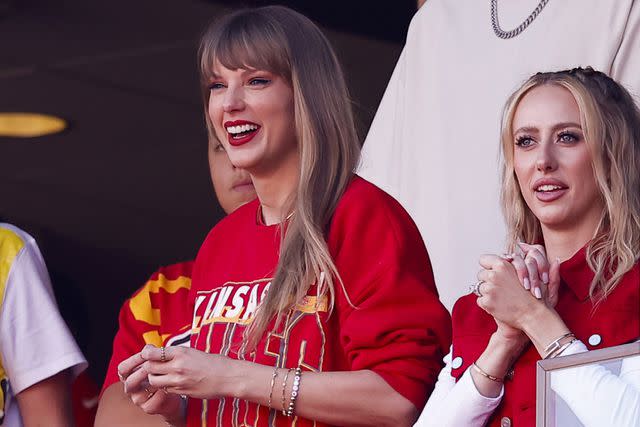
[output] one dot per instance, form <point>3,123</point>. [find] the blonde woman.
<point>315,304</point>
<point>571,180</point>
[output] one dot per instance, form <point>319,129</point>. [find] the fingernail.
<point>545,278</point>
<point>527,284</point>
<point>537,293</point>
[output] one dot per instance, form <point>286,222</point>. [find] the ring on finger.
<point>163,355</point>
<point>507,257</point>
<point>149,393</point>
<point>475,288</point>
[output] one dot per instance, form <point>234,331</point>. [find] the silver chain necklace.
<point>510,34</point>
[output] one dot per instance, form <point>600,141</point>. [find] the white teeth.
<point>549,187</point>
<point>233,130</point>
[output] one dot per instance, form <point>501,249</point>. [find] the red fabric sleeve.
<point>161,310</point>
<point>399,329</point>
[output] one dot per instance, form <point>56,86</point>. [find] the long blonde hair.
<point>279,40</point>
<point>611,126</point>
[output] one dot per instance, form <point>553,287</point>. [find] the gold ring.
<point>149,393</point>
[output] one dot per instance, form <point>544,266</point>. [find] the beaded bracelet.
<point>297,377</point>
<point>484,374</point>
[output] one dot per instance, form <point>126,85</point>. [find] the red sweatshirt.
<point>399,329</point>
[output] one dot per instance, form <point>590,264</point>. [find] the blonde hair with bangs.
<point>611,125</point>
<point>286,43</point>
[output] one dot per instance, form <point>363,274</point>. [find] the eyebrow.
<point>531,129</point>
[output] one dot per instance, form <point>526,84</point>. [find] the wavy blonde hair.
<point>611,124</point>
<point>286,43</point>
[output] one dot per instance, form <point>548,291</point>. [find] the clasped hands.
<point>515,288</point>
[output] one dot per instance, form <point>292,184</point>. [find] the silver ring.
<point>507,257</point>
<point>475,288</point>
<point>163,356</point>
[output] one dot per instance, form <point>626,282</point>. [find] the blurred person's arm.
<point>39,355</point>
<point>47,403</point>
<point>116,409</point>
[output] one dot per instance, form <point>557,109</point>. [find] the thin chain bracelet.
<point>284,387</point>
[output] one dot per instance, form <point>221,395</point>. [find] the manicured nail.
<point>537,293</point>
<point>545,278</point>
<point>527,284</point>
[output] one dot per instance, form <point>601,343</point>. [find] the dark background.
<point>126,188</point>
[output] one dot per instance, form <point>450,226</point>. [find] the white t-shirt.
<point>35,342</point>
<point>434,142</point>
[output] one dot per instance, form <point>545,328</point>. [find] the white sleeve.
<point>35,341</point>
<point>626,64</point>
<point>457,404</point>
<point>597,396</point>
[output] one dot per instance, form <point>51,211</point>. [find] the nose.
<point>546,159</point>
<point>233,99</point>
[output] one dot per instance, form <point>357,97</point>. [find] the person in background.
<point>38,355</point>
<point>571,179</point>
<point>321,308</point>
<point>431,144</point>
<point>159,312</point>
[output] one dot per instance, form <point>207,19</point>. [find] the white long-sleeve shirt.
<point>596,396</point>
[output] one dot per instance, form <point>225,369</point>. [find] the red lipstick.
<point>237,136</point>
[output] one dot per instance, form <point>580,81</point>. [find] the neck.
<point>563,243</point>
<point>276,189</point>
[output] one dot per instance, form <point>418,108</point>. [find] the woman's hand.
<point>505,298</point>
<point>150,399</point>
<point>190,372</point>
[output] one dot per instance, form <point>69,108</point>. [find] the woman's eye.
<point>567,137</point>
<point>258,81</point>
<point>524,141</point>
<point>215,85</point>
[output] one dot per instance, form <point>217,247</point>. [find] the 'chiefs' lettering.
<point>229,304</point>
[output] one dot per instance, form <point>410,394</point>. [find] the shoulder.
<point>13,240</point>
<point>362,199</point>
<point>367,211</point>
<point>21,262</point>
<point>169,279</point>
<point>241,219</point>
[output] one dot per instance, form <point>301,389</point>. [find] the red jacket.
<point>615,321</point>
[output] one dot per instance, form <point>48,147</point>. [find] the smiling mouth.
<point>241,131</point>
<point>547,188</point>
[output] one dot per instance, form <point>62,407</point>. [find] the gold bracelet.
<point>284,387</point>
<point>559,351</point>
<point>295,389</point>
<point>484,374</point>
<point>555,344</point>
<point>273,383</point>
